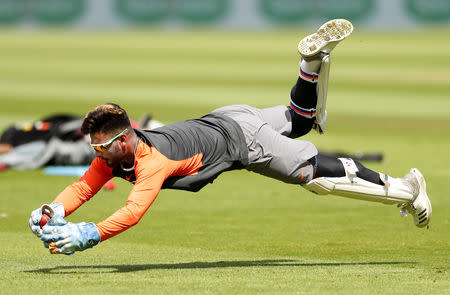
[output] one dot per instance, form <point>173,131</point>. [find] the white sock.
<point>311,66</point>
<point>310,76</point>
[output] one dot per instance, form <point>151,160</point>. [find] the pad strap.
<point>350,168</point>
<point>307,113</point>
<point>313,77</point>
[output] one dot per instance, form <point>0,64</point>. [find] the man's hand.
<point>36,216</point>
<point>70,237</point>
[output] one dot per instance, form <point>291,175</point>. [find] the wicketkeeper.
<point>190,154</point>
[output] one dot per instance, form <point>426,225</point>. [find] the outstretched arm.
<point>70,237</point>
<point>150,176</point>
<point>75,195</point>
<point>86,187</point>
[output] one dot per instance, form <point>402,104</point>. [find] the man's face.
<point>113,154</point>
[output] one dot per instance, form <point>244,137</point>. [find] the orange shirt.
<point>183,155</point>
<point>151,169</point>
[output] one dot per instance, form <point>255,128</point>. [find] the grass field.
<point>244,234</point>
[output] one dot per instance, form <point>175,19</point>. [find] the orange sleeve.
<point>86,187</point>
<point>151,170</point>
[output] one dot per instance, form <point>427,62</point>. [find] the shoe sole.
<point>329,34</point>
<point>422,197</point>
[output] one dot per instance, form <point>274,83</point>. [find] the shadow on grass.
<point>123,268</point>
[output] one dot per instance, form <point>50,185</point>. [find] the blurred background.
<point>389,93</point>
<point>225,14</point>
<point>176,59</point>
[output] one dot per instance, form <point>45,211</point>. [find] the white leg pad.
<point>351,186</point>
<point>322,90</point>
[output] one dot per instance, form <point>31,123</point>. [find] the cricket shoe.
<point>420,206</point>
<point>325,39</point>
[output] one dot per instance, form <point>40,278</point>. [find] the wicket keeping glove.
<point>71,237</point>
<point>36,216</point>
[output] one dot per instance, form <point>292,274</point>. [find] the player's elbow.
<point>133,221</point>
<point>134,215</point>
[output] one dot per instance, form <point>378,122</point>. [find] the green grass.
<point>244,234</point>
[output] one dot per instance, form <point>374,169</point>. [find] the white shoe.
<point>420,206</point>
<point>326,38</point>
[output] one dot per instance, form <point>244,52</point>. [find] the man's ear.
<point>122,140</point>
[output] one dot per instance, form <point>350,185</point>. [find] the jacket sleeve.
<point>86,187</point>
<point>150,175</point>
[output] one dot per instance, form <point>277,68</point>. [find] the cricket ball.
<point>44,219</point>
<point>110,185</point>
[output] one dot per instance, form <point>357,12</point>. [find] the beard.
<point>112,160</point>
<point>110,164</point>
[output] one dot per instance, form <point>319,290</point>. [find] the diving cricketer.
<point>190,154</point>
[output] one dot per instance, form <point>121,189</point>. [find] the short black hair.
<point>106,118</point>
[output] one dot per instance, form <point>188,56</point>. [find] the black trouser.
<point>304,95</point>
